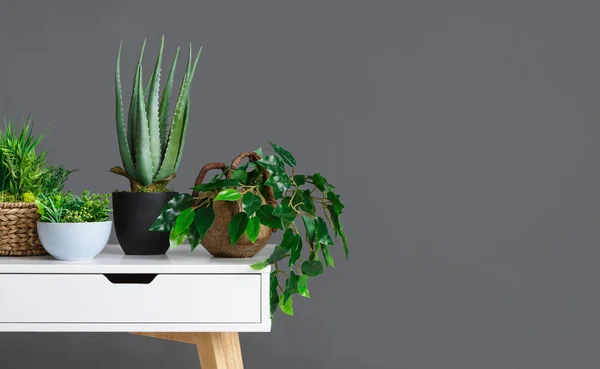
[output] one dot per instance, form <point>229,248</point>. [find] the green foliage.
<point>25,174</point>
<point>70,208</point>
<point>308,200</point>
<point>150,148</point>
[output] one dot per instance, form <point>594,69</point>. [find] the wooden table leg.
<point>217,350</point>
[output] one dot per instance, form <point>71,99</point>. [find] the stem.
<point>280,271</point>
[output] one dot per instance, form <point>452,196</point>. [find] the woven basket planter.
<point>18,230</point>
<point>216,240</point>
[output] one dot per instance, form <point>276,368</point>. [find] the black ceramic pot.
<point>133,214</point>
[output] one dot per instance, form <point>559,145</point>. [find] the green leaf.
<point>266,217</point>
<point>124,144</point>
<point>143,157</point>
<point>299,179</point>
<point>308,204</point>
<point>287,307</point>
<point>285,155</point>
<point>291,286</point>
<point>248,167</point>
<point>251,203</point>
<point>344,242</point>
<point>335,219</point>
<point>295,250</point>
<point>193,238</point>
<point>163,110</point>
<point>253,229</point>
<point>237,227</point>
<point>285,212</point>
<point>133,119</point>
<point>279,253</point>
<point>312,268</point>
<point>322,232</point>
<point>152,112</point>
<point>254,176</point>
<point>326,256</point>
<point>166,220</point>
<point>219,183</point>
<point>311,229</point>
<point>177,239</point>
<point>277,193</point>
<point>296,198</point>
<point>335,201</point>
<point>259,151</point>
<point>186,119</point>
<point>272,163</point>
<point>239,175</point>
<point>260,265</point>
<point>178,127</point>
<point>274,296</point>
<point>184,221</point>
<point>280,182</point>
<point>320,182</point>
<point>203,220</point>
<point>303,286</point>
<point>228,194</point>
<point>287,241</point>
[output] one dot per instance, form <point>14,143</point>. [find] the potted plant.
<point>234,214</point>
<point>151,151</point>
<point>74,227</point>
<point>24,175</point>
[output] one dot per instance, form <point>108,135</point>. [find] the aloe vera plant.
<point>149,146</point>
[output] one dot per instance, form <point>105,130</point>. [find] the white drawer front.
<point>92,298</point>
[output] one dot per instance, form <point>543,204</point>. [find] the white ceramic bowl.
<point>74,241</point>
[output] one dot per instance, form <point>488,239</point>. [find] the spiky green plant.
<point>25,174</point>
<point>150,148</point>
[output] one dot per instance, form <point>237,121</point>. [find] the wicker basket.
<point>216,239</point>
<point>18,230</point>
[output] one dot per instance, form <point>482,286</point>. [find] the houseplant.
<point>233,214</point>
<point>74,227</point>
<point>150,150</point>
<point>24,175</point>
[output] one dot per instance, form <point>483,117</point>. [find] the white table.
<point>182,296</point>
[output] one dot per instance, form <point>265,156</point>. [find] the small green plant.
<point>307,200</point>
<point>25,174</point>
<point>150,149</point>
<point>70,208</point>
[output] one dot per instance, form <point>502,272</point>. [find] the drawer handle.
<point>130,278</point>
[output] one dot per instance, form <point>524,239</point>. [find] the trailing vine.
<point>284,200</point>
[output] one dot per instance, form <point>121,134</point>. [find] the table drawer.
<point>111,298</point>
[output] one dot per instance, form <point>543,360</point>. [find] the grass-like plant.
<point>149,146</point>
<point>70,208</point>
<point>25,174</point>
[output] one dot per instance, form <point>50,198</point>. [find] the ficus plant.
<point>149,146</point>
<point>306,208</point>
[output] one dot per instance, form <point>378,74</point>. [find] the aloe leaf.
<point>186,117</point>
<point>121,131</point>
<point>152,110</point>
<point>174,146</point>
<point>133,110</point>
<point>163,110</point>
<point>144,161</point>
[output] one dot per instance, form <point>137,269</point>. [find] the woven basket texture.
<point>18,230</point>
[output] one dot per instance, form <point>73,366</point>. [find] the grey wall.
<point>463,136</point>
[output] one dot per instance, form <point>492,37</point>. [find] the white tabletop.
<point>112,260</point>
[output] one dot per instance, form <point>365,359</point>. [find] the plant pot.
<point>133,214</point>
<point>74,241</point>
<point>216,240</point>
<point>18,230</point>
